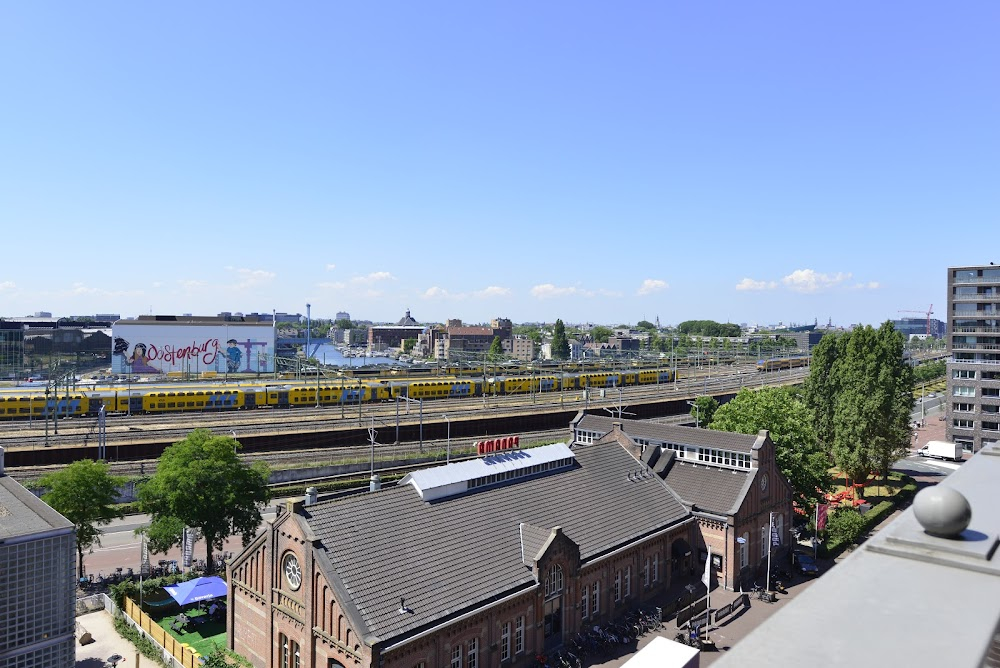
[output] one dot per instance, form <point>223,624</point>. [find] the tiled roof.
<point>708,438</point>
<point>450,555</point>
<point>532,539</point>
<point>712,488</point>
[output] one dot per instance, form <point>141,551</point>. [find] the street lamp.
<point>697,413</point>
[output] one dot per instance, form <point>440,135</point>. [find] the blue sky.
<point>590,161</point>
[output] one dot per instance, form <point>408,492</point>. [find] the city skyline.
<point>573,160</point>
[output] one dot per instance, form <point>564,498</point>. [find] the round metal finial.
<point>942,511</point>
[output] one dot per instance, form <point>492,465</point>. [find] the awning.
<point>199,589</point>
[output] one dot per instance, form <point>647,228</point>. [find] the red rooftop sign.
<point>497,444</point>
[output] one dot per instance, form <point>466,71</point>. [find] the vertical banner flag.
<point>144,557</point>
<point>821,516</point>
<point>188,546</point>
<point>707,577</point>
<point>775,537</point>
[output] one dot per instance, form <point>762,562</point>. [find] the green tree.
<point>704,409</point>
<point>788,420</point>
<point>85,493</point>
<point>560,344</point>
<point>600,333</point>
<point>200,482</point>
<point>871,420</point>
<point>220,657</point>
<point>846,525</point>
<point>343,323</point>
<point>646,325</point>
<point>408,345</point>
<point>496,350</point>
<point>861,393</point>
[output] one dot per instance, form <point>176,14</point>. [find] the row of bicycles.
<point>602,640</point>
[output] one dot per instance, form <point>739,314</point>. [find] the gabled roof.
<point>712,488</point>
<point>707,438</point>
<point>459,553</point>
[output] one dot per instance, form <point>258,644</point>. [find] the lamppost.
<point>697,414</point>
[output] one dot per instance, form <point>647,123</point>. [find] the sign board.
<point>497,445</point>
<point>161,347</point>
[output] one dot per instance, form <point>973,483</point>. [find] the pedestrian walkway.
<point>725,634</point>
<point>106,643</point>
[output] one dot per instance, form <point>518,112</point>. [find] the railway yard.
<point>309,435</point>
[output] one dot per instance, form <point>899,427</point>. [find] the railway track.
<point>318,428</point>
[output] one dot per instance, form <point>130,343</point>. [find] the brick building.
<point>492,561</point>
<point>470,564</point>
<point>729,482</point>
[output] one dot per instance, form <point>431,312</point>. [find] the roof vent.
<point>1,461</point>
<point>312,494</point>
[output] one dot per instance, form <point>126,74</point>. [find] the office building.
<point>37,581</point>
<point>973,394</point>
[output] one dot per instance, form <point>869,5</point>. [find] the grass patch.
<point>203,638</point>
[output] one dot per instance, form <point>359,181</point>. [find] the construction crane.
<point>929,312</point>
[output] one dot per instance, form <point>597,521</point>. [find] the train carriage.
<point>35,406</point>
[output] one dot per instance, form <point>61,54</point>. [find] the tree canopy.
<point>646,325</point>
<point>201,482</point>
<point>788,420</point>
<point>496,350</point>
<point>600,333</point>
<point>861,392</point>
<point>85,493</point>
<point>704,409</point>
<point>343,323</point>
<point>709,328</point>
<point>560,344</point>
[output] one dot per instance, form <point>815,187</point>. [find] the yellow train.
<point>779,363</point>
<point>208,397</point>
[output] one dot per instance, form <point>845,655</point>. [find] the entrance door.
<point>553,623</point>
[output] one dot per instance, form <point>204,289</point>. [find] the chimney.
<point>311,495</point>
<point>1,461</point>
<point>374,483</point>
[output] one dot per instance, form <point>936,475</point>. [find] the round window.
<point>293,573</point>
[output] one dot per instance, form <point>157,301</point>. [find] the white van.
<point>942,450</point>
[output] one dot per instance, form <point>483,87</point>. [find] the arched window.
<point>554,581</point>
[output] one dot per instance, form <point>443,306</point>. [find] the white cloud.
<point>870,285</point>
<point>374,277</point>
<point>7,285</point>
<point>251,278</point>
<point>807,280</point>
<point>549,291</point>
<point>492,291</point>
<point>750,284</point>
<point>336,285</point>
<point>651,285</point>
<point>331,267</point>
<point>192,284</point>
<point>435,293</point>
